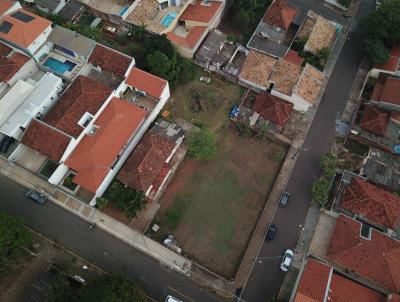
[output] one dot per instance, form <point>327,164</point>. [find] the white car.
<point>171,299</point>
<point>287,259</point>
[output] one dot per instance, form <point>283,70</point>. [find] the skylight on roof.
<point>5,27</point>
<point>22,17</point>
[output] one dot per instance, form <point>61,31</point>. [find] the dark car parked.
<point>5,144</point>
<point>271,232</point>
<point>284,199</point>
<point>36,196</point>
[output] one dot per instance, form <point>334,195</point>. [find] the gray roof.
<point>71,9</point>
<point>211,45</point>
<point>71,40</point>
<point>168,130</point>
<point>50,4</point>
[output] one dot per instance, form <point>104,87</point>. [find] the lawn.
<point>212,207</point>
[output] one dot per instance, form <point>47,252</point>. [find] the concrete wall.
<point>26,71</point>
<point>39,41</point>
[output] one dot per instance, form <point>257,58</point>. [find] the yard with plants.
<point>212,206</point>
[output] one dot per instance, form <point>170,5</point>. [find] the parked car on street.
<point>172,299</point>
<point>5,144</point>
<point>272,230</point>
<point>286,260</point>
<point>284,199</point>
<point>36,196</point>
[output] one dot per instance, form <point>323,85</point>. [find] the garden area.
<point>212,206</point>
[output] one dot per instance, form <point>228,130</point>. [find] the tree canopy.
<point>14,236</point>
<point>328,164</point>
<point>320,191</point>
<point>381,31</point>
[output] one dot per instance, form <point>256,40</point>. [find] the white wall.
<point>44,50</point>
<point>39,41</point>
<point>26,71</point>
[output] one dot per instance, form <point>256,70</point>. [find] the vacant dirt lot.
<point>212,207</point>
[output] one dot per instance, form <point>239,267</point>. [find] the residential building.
<point>370,203</point>
<point>365,252</point>
<point>283,78</point>
<point>386,93</point>
<point>320,282</point>
<point>383,169</point>
<point>276,31</point>
<point>24,30</point>
<point>72,10</point>
<point>9,6</point>
<point>149,166</point>
<point>185,22</point>
<point>391,66</point>
<point>50,6</point>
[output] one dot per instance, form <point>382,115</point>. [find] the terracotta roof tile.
<point>142,80</point>
<point>94,155</point>
<point>9,66</point>
<point>285,76</point>
<point>110,60</point>
<point>394,298</point>
<point>310,84</point>
<point>280,14</point>
<point>5,5</point>
<point>393,64</point>
<point>200,13</point>
<point>313,282</point>
<point>391,91</point>
<point>272,108</point>
<point>45,140</point>
<point>146,161</point>
<point>21,33</point>
<point>376,259</point>
<point>166,168</point>
<point>257,68</point>
<point>293,57</point>
<point>5,50</point>
<point>377,205</point>
<point>374,120</point>
<point>84,95</point>
<point>322,35</point>
<point>191,40</point>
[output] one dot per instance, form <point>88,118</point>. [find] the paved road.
<point>99,247</point>
<point>266,277</point>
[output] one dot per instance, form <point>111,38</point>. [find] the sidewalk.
<point>92,215</point>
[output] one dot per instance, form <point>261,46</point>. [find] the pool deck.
<point>107,6</point>
<point>147,13</point>
<point>69,74</point>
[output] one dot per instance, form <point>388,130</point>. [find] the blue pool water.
<point>168,18</point>
<point>123,10</point>
<point>58,66</point>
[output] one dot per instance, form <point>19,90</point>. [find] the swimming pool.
<point>123,10</point>
<point>58,66</point>
<point>168,18</point>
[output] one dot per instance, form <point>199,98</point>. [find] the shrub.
<point>328,164</point>
<point>320,191</point>
<point>101,202</point>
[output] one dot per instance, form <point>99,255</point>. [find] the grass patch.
<point>174,215</point>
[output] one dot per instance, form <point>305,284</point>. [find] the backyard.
<point>212,207</point>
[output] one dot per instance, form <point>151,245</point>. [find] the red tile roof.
<point>94,155</point>
<point>161,176</point>
<point>377,259</point>
<point>4,50</point>
<point>345,290</point>
<point>146,162</point>
<point>84,95</point>
<point>21,33</point>
<point>45,140</point>
<point>9,66</point>
<point>393,64</point>
<point>393,298</point>
<point>142,80</point>
<point>110,60</point>
<point>313,282</point>
<point>293,57</point>
<point>200,13</point>
<point>280,14</point>
<point>191,40</point>
<point>374,120</point>
<point>377,205</point>
<point>5,5</point>
<point>316,282</point>
<point>391,91</point>
<point>272,108</point>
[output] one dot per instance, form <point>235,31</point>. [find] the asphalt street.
<point>99,247</point>
<point>266,277</point>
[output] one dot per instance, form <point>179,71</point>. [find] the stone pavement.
<point>92,215</point>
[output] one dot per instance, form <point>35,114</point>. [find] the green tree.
<point>139,31</point>
<point>202,144</point>
<point>381,29</point>
<point>186,70</point>
<point>160,65</point>
<point>159,43</point>
<point>127,200</point>
<point>101,202</point>
<point>320,191</point>
<point>60,290</point>
<point>112,289</point>
<point>241,19</point>
<point>328,164</point>
<point>345,3</point>
<point>14,237</point>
